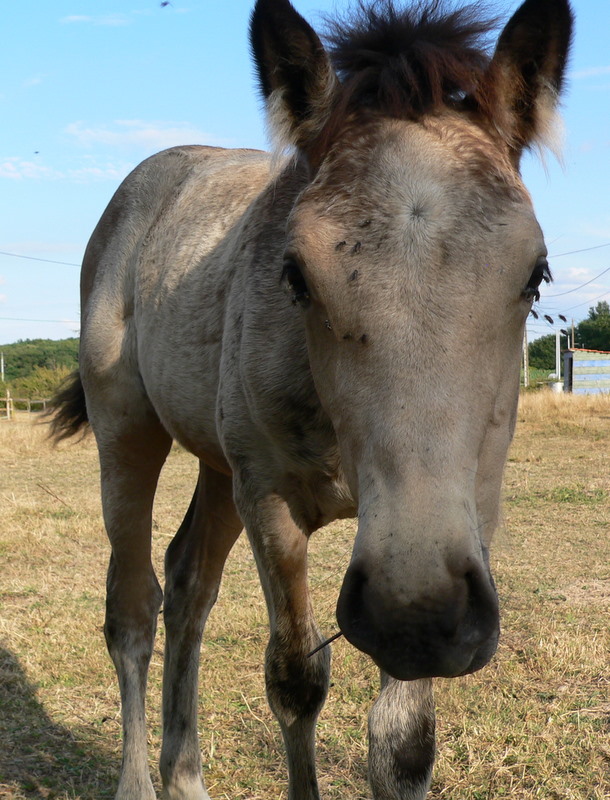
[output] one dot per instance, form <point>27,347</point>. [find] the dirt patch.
<point>595,592</point>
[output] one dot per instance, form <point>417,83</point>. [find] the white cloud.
<point>35,80</point>
<point>116,20</point>
<point>111,150</point>
<point>115,172</point>
<point>582,273</point>
<point>89,169</point>
<point>111,20</point>
<point>3,298</point>
<point>599,229</point>
<point>17,168</point>
<point>591,72</point>
<point>133,133</point>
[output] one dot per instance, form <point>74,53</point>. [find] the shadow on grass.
<point>38,757</point>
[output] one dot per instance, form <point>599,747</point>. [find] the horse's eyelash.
<point>547,274</point>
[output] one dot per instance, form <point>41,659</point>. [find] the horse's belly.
<point>180,375</point>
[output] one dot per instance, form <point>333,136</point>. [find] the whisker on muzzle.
<point>324,644</point>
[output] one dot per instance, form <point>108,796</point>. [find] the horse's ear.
<point>295,75</point>
<point>527,71</point>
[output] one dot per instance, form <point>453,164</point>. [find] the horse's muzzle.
<point>438,634</point>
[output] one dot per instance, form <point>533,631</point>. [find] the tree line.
<point>34,368</point>
<point>593,333</point>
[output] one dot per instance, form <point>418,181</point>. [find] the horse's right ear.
<point>295,74</point>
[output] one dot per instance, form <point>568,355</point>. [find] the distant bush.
<point>42,382</point>
<point>34,368</point>
<point>22,358</point>
<point>542,352</point>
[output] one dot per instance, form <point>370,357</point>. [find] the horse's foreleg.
<point>401,740</point>
<point>193,568</point>
<point>296,685</point>
<point>133,595</point>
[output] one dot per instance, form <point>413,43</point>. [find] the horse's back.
<point>156,276</point>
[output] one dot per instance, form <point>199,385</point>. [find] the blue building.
<point>586,371</point>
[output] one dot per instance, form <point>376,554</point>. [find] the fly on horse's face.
<point>413,253</point>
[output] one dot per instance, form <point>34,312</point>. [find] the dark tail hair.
<point>68,410</point>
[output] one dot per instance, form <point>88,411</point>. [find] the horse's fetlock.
<point>401,758</point>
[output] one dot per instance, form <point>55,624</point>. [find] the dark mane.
<point>409,62</point>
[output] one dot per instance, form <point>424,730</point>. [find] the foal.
<point>340,337</point>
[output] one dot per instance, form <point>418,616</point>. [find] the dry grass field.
<point>534,724</point>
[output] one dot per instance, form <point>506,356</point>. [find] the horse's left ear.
<point>295,75</point>
<point>526,74</point>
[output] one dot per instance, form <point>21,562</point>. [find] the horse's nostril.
<point>351,607</point>
<point>427,633</point>
<point>482,609</point>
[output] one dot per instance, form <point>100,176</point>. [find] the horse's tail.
<point>68,409</point>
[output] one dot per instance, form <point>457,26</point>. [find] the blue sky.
<point>88,88</point>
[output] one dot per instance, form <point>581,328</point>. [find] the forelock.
<point>410,62</point>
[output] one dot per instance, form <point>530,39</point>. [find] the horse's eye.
<point>542,272</point>
<point>293,279</point>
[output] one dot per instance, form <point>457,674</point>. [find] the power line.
<point>582,250</point>
<point>582,285</point>
<point>23,319</point>
<point>586,302</point>
<point>71,264</point>
<point>32,258</point>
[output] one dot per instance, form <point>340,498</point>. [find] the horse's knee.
<point>296,685</point>
<point>401,746</point>
<point>132,607</point>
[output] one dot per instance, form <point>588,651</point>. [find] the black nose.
<point>441,633</point>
